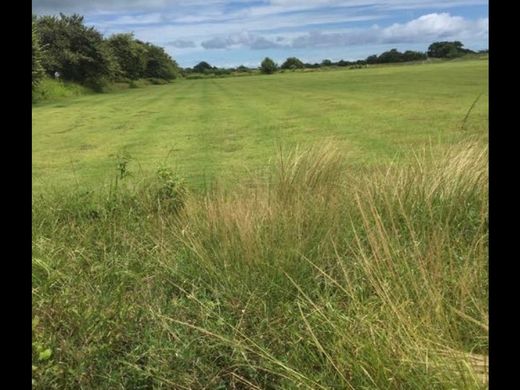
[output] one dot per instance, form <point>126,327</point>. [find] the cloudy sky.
<point>235,32</point>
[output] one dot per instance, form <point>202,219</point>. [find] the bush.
<point>292,63</point>
<point>169,189</point>
<point>195,77</point>
<point>268,66</point>
<point>138,83</point>
<point>156,81</point>
<point>50,89</point>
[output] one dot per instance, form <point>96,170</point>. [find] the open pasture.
<point>222,127</point>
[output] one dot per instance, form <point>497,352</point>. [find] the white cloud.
<point>119,6</point>
<point>426,28</point>
<point>232,24</point>
<point>434,25</point>
<point>241,39</point>
<point>181,44</point>
<point>133,20</point>
<point>395,4</point>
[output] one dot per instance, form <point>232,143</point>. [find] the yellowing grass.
<point>315,276</point>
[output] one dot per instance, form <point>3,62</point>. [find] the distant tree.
<point>184,72</point>
<point>242,68</point>
<point>343,63</point>
<point>326,63</point>
<point>37,69</point>
<point>390,56</point>
<point>268,66</point>
<point>447,49</point>
<point>393,56</point>
<point>202,66</point>
<point>292,63</point>
<point>410,55</point>
<point>372,59</point>
<point>221,71</point>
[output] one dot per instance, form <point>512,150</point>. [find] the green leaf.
<point>45,355</point>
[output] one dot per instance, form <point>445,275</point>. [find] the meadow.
<point>323,230</point>
<point>220,128</point>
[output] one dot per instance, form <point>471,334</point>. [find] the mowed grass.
<point>219,128</point>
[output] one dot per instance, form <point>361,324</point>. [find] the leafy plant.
<point>171,188</point>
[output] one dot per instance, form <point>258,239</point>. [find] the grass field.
<point>220,127</point>
<point>357,260</point>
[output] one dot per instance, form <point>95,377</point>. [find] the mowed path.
<point>223,127</point>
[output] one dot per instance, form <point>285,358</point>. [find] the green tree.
<point>202,67</point>
<point>130,55</point>
<point>447,49</point>
<point>159,64</point>
<point>242,68</point>
<point>410,55</point>
<point>390,56</point>
<point>292,63</point>
<point>326,63</point>
<point>37,69</point>
<point>268,66</point>
<point>77,52</point>
<point>372,59</point>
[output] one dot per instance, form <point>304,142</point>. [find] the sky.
<point>229,33</point>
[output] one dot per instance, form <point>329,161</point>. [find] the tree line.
<point>435,50</point>
<point>62,46</point>
<point>443,49</point>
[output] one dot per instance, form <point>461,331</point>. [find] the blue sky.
<point>234,32</point>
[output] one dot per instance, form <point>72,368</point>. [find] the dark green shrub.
<point>268,66</point>
<point>292,63</point>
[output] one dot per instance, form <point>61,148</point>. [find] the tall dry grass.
<point>317,277</point>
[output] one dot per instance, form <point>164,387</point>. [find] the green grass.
<point>351,255</point>
<point>51,90</point>
<point>221,127</point>
<point>314,278</point>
